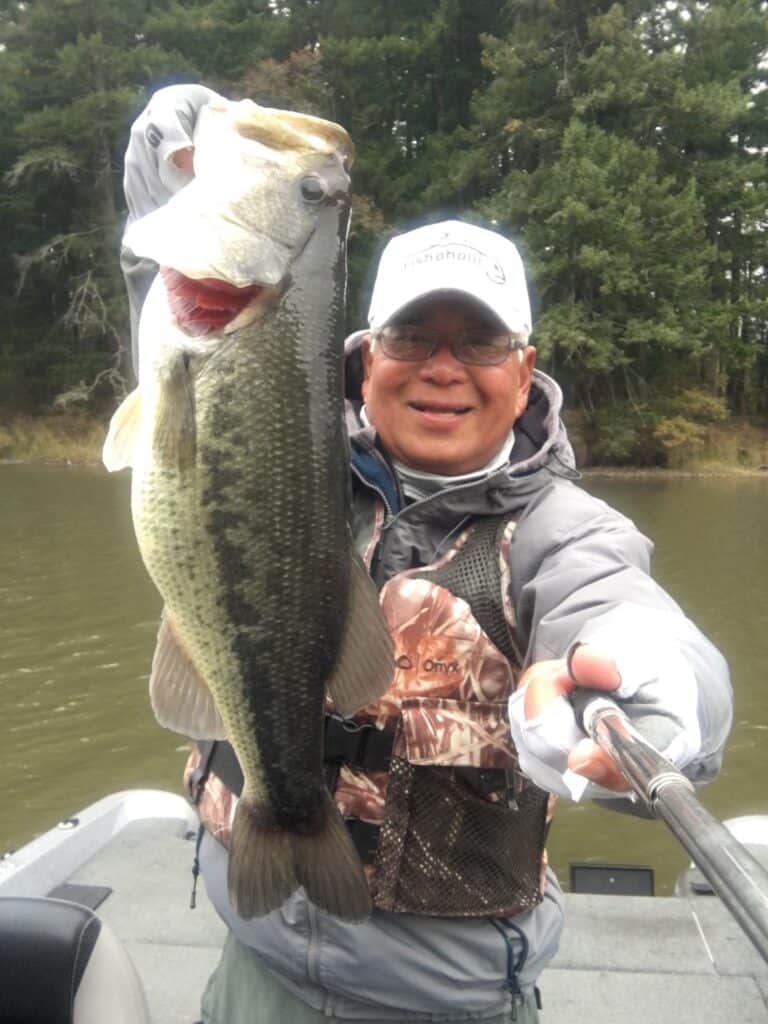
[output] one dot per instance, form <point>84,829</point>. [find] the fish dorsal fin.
<point>365,666</point>
<point>288,130</point>
<point>122,435</point>
<point>180,697</point>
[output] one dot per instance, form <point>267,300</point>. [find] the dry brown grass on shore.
<point>733,449</point>
<point>710,470</point>
<point>74,438</point>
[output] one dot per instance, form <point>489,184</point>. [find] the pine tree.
<point>84,65</point>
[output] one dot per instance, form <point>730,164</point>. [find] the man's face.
<point>441,415</point>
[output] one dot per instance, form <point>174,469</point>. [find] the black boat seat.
<point>60,964</point>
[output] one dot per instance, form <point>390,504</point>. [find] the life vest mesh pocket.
<point>444,850</point>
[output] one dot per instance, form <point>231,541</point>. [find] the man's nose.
<point>442,366</point>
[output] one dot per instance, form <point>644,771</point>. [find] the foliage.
<point>618,432</point>
<point>661,431</point>
<point>679,439</point>
<point>701,407</point>
<point>621,144</point>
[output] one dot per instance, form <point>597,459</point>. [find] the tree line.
<point>622,145</point>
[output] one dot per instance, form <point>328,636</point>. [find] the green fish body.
<point>239,501</point>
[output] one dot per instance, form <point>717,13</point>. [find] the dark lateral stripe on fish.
<point>204,305</point>
<point>282,721</point>
<point>292,819</point>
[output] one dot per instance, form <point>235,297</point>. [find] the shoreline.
<point>587,472</point>
<point>662,473</point>
<point>736,450</point>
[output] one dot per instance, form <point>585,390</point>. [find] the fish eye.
<point>312,190</point>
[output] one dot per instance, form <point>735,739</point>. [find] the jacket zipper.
<point>313,956</point>
<point>374,487</point>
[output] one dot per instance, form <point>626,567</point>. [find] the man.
<point>503,585</point>
<point>159,162</point>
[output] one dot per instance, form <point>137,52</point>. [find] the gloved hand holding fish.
<point>240,489</point>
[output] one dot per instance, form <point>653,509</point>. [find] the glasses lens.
<point>413,343</point>
<point>483,349</point>
<point>406,342</point>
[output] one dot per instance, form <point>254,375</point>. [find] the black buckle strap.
<point>362,747</point>
<point>206,749</point>
<point>222,761</point>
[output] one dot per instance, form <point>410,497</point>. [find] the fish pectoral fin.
<point>366,664</point>
<point>180,697</point>
<point>175,436</point>
<point>122,435</point>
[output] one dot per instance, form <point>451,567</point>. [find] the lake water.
<point>78,618</point>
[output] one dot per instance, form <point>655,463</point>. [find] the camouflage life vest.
<point>427,777</point>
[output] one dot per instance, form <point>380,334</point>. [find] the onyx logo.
<point>404,662</point>
<point>431,665</point>
<point>154,135</point>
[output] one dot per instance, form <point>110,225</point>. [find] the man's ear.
<point>525,376</point>
<point>367,358</point>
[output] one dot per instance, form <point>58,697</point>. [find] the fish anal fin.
<point>365,666</point>
<point>122,436</point>
<point>180,697</point>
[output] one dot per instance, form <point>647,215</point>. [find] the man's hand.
<point>185,159</point>
<point>546,684</point>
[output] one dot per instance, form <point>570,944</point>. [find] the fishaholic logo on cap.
<point>446,250</point>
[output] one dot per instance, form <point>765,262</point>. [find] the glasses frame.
<point>514,343</point>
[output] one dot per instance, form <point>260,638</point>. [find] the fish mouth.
<point>206,305</point>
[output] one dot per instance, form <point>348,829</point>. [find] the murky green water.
<point>78,618</point>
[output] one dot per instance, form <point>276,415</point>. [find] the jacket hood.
<point>541,441</point>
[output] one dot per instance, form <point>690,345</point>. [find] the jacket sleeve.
<point>580,571</point>
<point>166,125</point>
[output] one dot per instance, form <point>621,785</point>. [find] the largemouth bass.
<point>240,488</point>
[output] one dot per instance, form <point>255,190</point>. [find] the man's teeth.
<point>453,411</point>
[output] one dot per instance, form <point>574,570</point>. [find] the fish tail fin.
<point>261,875</point>
<point>327,865</point>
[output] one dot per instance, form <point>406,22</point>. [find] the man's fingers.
<point>545,681</point>
<point>593,763</point>
<point>550,731</point>
<point>592,669</point>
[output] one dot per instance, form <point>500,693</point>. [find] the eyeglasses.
<point>475,346</point>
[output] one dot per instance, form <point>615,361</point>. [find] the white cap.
<point>452,256</point>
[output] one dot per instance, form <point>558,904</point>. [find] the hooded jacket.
<point>578,571</point>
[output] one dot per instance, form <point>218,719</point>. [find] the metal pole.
<point>734,874</point>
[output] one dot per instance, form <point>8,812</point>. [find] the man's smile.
<point>443,409</point>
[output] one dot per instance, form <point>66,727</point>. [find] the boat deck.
<point>634,960</point>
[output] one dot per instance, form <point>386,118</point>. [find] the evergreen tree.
<point>673,89</point>
<point>622,144</point>
<point>84,65</point>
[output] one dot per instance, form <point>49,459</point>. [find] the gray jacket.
<point>578,571</point>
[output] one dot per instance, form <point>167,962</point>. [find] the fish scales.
<point>240,488</point>
<point>291,615</point>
